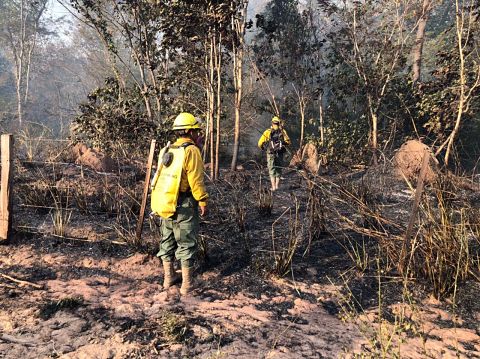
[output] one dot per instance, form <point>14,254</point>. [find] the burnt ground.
<point>90,296</point>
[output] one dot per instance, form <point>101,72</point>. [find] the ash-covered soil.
<point>91,298</point>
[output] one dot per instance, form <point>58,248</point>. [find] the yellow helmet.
<point>185,121</point>
<point>276,120</point>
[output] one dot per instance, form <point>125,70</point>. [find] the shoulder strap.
<point>186,144</point>
<point>183,145</point>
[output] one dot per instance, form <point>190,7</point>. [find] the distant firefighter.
<point>274,141</point>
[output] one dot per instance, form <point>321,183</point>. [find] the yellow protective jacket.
<point>266,137</point>
<point>184,174</point>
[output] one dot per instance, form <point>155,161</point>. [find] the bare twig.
<point>19,281</point>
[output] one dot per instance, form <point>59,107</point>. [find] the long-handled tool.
<point>161,163</point>
<point>138,233</point>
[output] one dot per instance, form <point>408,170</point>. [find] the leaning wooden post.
<point>145,192</point>
<point>6,186</point>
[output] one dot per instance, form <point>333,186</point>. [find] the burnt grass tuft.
<point>48,310</point>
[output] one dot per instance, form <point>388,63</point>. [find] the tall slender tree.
<point>239,23</point>
<point>287,51</point>
<point>20,26</point>
<point>423,14</point>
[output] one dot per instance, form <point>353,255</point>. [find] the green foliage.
<point>287,51</point>
<point>114,121</point>
<point>167,42</point>
<point>468,145</point>
<point>439,96</point>
<point>282,43</point>
<point>346,136</point>
<point>365,80</point>
<point>354,55</point>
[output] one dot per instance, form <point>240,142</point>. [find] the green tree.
<point>286,51</point>
<point>369,44</point>
<point>114,123</point>
<point>176,51</point>
<point>452,97</point>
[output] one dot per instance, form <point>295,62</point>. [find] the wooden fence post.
<point>138,233</point>
<point>6,186</point>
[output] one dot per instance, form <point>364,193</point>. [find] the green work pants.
<point>179,233</point>
<point>274,164</point>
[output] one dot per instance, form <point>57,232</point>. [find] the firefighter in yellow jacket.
<point>274,140</point>
<point>178,194</point>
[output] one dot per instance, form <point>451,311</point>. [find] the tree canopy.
<point>338,73</point>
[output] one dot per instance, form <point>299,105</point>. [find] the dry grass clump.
<point>285,247</point>
<point>47,310</point>
<point>37,194</point>
<point>444,245</point>
<point>238,211</point>
<point>61,219</point>
<point>43,193</point>
<point>316,222</point>
<point>174,327</point>
<point>264,201</point>
<point>126,210</point>
<point>82,197</point>
<point>30,141</point>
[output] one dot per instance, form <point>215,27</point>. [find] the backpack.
<point>276,141</point>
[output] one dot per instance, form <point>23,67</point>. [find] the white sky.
<point>61,19</point>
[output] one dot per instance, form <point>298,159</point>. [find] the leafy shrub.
<point>115,120</point>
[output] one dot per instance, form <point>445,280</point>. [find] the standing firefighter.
<point>178,192</point>
<point>274,140</point>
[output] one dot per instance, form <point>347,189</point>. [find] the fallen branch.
<point>85,239</point>
<point>31,230</point>
<point>22,282</point>
<point>11,339</point>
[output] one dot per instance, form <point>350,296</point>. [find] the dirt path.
<point>105,301</point>
<point>122,311</point>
